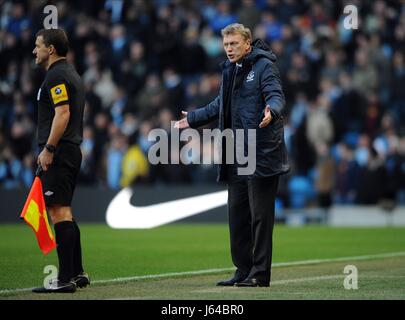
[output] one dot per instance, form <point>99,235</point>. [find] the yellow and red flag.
<point>34,213</point>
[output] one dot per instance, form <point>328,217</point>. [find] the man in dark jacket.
<point>250,97</point>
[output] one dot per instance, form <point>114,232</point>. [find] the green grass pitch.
<point>179,248</point>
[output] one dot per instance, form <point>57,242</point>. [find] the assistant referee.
<point>61,101</point>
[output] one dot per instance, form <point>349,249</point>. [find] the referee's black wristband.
<point>50,148</point>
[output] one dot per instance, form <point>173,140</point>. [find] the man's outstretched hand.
<point>183,123</point>
<point>267,117</point>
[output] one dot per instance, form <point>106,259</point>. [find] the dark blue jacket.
<point>256,85</point>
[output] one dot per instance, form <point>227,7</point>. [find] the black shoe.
<point>82,280</point>
<point>55,286</point>
<point>231,282</point>
<point>252,282</point>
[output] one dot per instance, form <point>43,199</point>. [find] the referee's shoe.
<point>82,280</point>
<point>55,286</point>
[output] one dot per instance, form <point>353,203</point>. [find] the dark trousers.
<point>251,222</point>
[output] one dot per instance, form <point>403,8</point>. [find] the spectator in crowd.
<point>325,176</point>
<point>319,125</point>
<point>87,171</point>
<point>346,175</point>
<point>371,180</point>
<point>397,96</point>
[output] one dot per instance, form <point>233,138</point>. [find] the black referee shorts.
<point>59,181</point>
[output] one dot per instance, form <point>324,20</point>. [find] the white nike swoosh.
<point>121,214</point>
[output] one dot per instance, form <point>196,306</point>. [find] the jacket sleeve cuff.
<point>190,118</point>
<point>276,106</point>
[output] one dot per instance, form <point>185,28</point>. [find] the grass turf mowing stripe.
<point>297,280</point>
<point>213,271</point>
<point>276,282</point>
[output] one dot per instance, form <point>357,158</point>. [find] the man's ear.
<point>249,45</point>
<point>51,49</point>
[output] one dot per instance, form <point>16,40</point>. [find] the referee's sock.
<point>77,252</point>
<point>65,240</point>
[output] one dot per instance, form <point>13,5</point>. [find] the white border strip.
<point>211,271</point>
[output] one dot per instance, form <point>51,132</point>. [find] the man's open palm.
<point>183,123</point>
<point>267,117</point>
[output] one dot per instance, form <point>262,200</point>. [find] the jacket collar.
<point>227,64</point>
<point>255,54</point>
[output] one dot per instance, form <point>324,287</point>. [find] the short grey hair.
<point>237,28</point>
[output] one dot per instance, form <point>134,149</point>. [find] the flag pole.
<point>39,171</point>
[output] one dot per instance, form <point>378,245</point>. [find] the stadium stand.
<point>144,61</point>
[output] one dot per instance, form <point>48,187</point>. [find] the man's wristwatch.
<point>50,148</point>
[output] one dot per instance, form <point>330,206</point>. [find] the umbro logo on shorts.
<point>48,193</point>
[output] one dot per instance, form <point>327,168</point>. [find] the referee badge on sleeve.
<point>59,93</point>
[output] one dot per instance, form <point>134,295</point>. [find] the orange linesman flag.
<point>34,213</point>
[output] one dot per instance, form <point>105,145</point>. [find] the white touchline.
<point>209,271</point>
<point>121,214</point>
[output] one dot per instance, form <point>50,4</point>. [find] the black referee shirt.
<point>62,85</point>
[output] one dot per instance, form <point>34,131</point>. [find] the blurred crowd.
<point>143,62</point>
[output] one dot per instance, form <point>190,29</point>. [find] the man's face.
<point>236,47</point>
<point>41,52</point>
